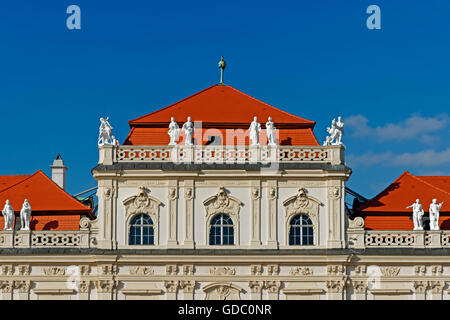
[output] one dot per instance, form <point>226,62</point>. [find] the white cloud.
<point>425,158</point>
<point>414,127</point>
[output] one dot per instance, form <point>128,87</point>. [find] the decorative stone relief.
<point>256,270</point>
<point>360,286</point>
<point>85,269</point>
<point>360,270</point>
<point>256,286</point>
<point>301,203</point>
<point>188,270</point>
<point>334,193</point>
<point>22,286</point>
<point>171,270</point>
<point>108,270</point>
<point>420,286</point>
<point>7,269</point>
<point>222,202</point>
<point>390,271</point>
<point>222,271</point>
<point>105,286</point>
<point>420,270</point>
<point>335,270</point>
<point>141,271</point>
<point>272,286</point>
<point>436,270</point>
<point>335,286</point>
<point>171,286</point>
<point>108,192</point>
<point>222,291</point>
<point>142,203</point>
<point>301,271</point>
<point>273,269</point>
<point>55,271</point>
<point>24,269</point>
<point>436,286</point>
<point>356,223</point>
<point>188,286</point>
<point>84,286</point>
<point>6,286</point>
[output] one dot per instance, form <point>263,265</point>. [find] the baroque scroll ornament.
<point>222,203</point>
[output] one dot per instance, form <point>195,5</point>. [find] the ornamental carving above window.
<point>142,203</point>
<point>223,203</point>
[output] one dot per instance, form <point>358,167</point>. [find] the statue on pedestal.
<point>174,132</point>
<point>188,129</point>
<point>270,129</point>
<point>417,215</point>
<point>105,133</point>
<point>434,214</point>
<point>335,133</point>
<point>254,129</point>
<point>8,215</point>
<point>25,215</point>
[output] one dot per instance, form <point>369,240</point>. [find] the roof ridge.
<point>365,205</point>
<point>423,181</point>
<point>17,183</point>
<point>170,105</point>
<point>62,190</point>
<point>285,112</point>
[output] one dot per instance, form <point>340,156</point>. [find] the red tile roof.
<point>43,194</point>
<point>221,107</point>
<point>387,210</point>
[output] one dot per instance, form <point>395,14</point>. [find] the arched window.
<point>301,230</point>
<point>141,230</point>
<point>221,231</point>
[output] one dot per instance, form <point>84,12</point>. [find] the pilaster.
<point>335,224</point>
<point>189,213</point>
<point>272,196</point>
<point>172,222</point>
<point>256,212</point>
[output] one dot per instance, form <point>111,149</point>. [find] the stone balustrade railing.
<point>110,154</point>
<point>45,239</point>
<point>361,239</point>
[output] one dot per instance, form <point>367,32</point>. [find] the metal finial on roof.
<point>222,65</point>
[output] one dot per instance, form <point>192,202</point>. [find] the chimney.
<point>59,172</point>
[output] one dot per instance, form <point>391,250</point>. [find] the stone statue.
<point>270,129</point>
<point>105,133</point>
<point>335,133</point>
<point>174,132</point>
<point>254,129</point>
<point>25,215</point>
<point>8,214</point>
<point>434,214</point>
<point>188,129</point>
<point>417,215</point>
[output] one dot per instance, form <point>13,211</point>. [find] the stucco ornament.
<point>222,291</point>
<point>188,129</point>
<point>335,133</point>
<point>25,214</point>
<point>254,129</point>
<point>174,132</point>
<point>105,135</point>
<point>417,214</point>
<point>434,214</point>
<point>142,203</point>
<point>222,203</point>
<point>270,129</point>
<point>8,215</point>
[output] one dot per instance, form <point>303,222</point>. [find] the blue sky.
<point>315,59</point>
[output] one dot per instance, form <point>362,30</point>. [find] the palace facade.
<point>223,218</point>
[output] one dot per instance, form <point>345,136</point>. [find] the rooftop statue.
<point>434,214</point>
<point>417,215</point>
<point>8,214</point>
<point>254,129</point>
<point>270,129</point>
<point>174,132</point>
<point>188,129</point>
<point>105,133</point>
<point>335,133</point>
<point>25,215</point>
